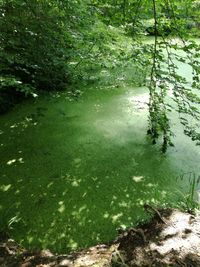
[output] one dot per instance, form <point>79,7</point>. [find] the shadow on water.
<point>73,172</point>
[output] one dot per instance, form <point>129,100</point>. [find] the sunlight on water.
<point>74,171</point>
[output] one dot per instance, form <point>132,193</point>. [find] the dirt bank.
<point>171,238</point>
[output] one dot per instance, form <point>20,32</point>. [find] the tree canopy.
<point>39,39</point>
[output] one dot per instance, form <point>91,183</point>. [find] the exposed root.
<point>151,209</point>
<point>170,239</point>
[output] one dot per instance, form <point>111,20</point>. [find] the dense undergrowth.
<point>38,39</point>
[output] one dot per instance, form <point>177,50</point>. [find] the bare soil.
<point>171,238</point>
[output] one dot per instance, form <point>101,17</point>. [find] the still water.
<point>72,171</point>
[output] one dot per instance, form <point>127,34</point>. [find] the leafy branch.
<point>165,80</point>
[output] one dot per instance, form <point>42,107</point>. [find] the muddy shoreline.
<point>171,238</point>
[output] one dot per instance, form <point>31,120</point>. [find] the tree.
<point>37,40</point>
<point>169,20</point>
<point>165,78</point>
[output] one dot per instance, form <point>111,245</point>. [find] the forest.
<point>99,130</point>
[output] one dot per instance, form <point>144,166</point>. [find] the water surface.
<point>72,171</point>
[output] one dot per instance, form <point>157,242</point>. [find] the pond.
<point>73,171</point>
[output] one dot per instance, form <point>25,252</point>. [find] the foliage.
<point>107,59</point>
<point>37,40</point>
<point>165,80</point>
<point>28,43</point>
<point>163,18</point>
<point>10,82</point>
<point>47,44</point>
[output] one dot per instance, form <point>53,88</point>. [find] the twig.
<point>149,209</point>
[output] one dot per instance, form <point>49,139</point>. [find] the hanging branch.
<point>184,96</point>
<point>152,87</point>
<point>158,119</point>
